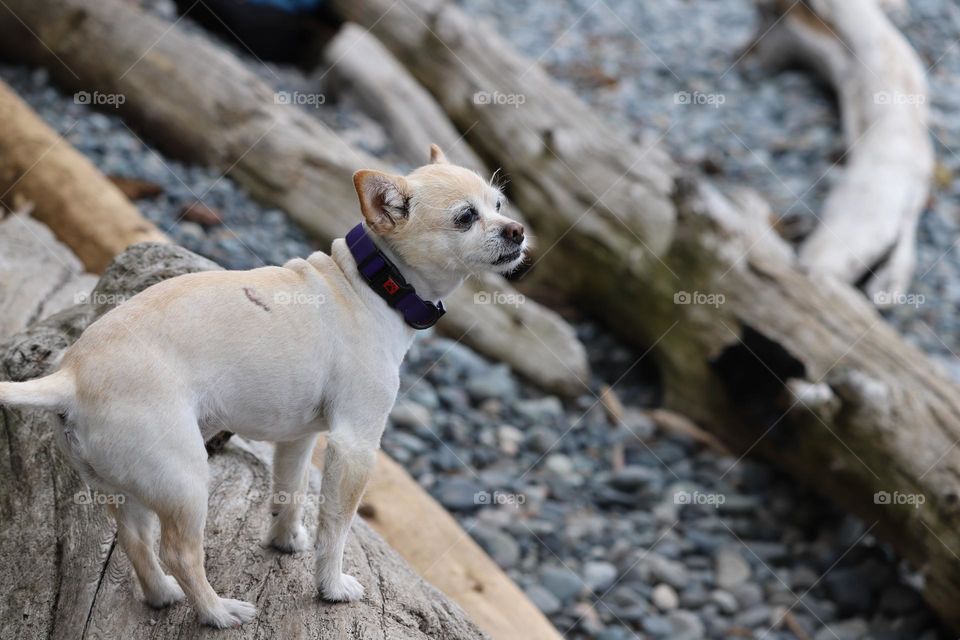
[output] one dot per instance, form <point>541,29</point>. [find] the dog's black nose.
<point>513,231</point>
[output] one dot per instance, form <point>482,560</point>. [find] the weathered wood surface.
<point>359,64</point>
<point>38,167</point>
<point>867,226</point>
<point>54,281</point>
<point>214,110</point>
<point>64,577</point>
<point>800,369</point>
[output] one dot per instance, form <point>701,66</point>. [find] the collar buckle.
<point>387,282</point>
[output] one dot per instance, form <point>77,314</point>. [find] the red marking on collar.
<point>391,286</point>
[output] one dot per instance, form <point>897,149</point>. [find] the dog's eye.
<point>499,203</point>
<point>466,218</point>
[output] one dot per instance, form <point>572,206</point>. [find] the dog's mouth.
<point>509,257</point>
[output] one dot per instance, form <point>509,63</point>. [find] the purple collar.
<point>388,283</point>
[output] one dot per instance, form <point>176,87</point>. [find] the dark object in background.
<point>201,214</point>
<point>290,31</point>
<point>136,188</point>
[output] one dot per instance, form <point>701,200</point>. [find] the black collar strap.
<point>388,283</point>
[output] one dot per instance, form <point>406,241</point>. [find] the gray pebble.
<point>561,582</point>
<point>423,393</point>
<point>658,626</point>
<point>633,478</point>
<point>686,626</point>
<point>694,596</point>
<point>502,547</point>
<point>599,576</point>
<point>459,494</point>
<point>749,594</point>
<point>732,569</point>
<point>615,633</point>
<point>407,414</point>
<point>665,570</point>
<point>802,578</point>
<point>756,616</point>
<point>509,439</point>
<point>543,599</point>
<point>495,383</point>
<point>664,597</point>
<point>408,441</point>
<point>539,410</point>
<point>854,629</point>
<point>542,439</point>
<point>725,600</point>
<point>460,357</point>
<point>559,464</point>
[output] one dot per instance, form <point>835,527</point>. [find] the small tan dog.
<point>278,354</point>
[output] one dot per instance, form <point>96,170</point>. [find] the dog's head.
<point>441,218</point>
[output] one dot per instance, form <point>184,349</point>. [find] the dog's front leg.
<point>290,463</point>
<point>348,464</point>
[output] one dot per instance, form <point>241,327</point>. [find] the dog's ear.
<point>436,155</point>
<point>383,199</point>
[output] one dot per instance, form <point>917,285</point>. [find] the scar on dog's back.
<point>252,297</point>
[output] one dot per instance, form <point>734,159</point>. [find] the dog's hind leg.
<point>348,465</point>
<point>136,531</point>
<point>183,515</point>
<point>170,478</point>
<point>291,461</point>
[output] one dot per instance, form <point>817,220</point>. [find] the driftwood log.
<point>358,63</point>
<point>867,229</point>
<point>40,169</point>
<point>54,281</point>
<point>39,276</point>
<point>800,369</point>
<point>214,110</point>
<point>65,577</point>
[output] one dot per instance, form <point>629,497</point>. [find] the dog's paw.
<point>228,613</point>
<point>290,539</point>
<point>346,589</point>
<point>165,594</point>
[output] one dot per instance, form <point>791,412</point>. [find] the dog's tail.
<point>55,392</point>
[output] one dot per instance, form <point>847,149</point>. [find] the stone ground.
<point>683,543</point>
